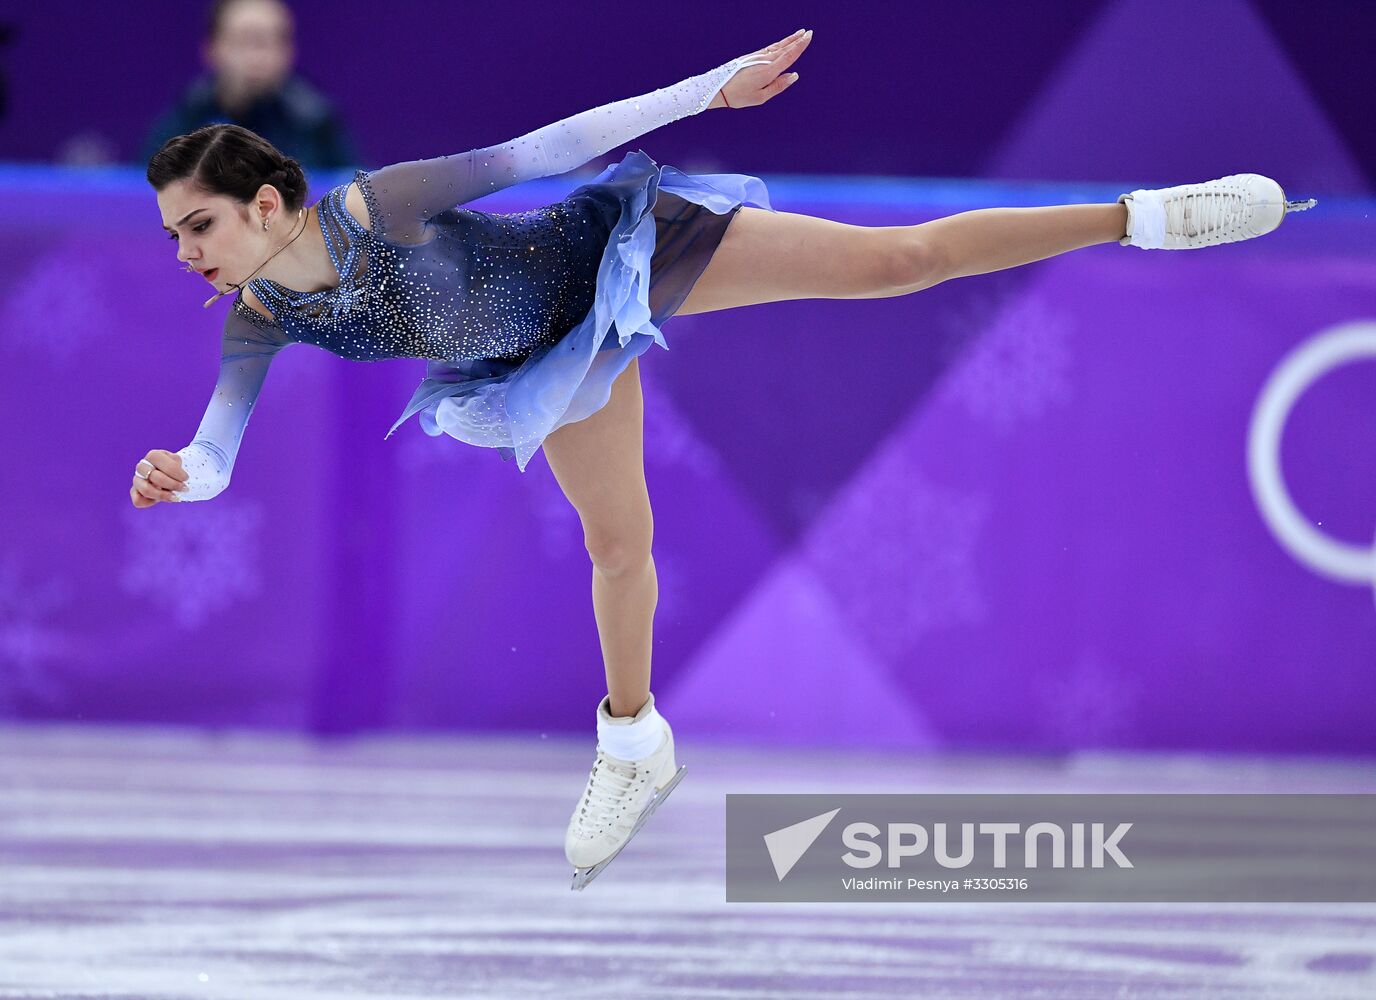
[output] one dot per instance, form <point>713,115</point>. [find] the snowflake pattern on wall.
<point>560,530</point>
<point>898,553</point>
<point>194,560</point>
<point>670,438</point>
<point>70,305</point>
<point>30,646</point>
<point>675,594</point>
<point>416,451</point>
<point>295,368</point>
<point>1090,704</point>
<point>1015,360</point>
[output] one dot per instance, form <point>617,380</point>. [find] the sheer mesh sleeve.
<point>247,348</point>
<point>401,198</point>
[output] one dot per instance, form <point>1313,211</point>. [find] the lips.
<point>210,275</point>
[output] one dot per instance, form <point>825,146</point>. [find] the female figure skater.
<point>533,322</point>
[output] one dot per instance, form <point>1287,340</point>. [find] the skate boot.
<point>621,794</point>
<point>1190,216</point>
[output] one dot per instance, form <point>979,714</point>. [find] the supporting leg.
<point>598,463</point>
<point>623,602</point>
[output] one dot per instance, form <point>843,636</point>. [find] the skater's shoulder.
<point>250,299</point>
<point>357,206</point>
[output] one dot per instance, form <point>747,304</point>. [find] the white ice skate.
<point>620,796</point>
<point>1190,216</point>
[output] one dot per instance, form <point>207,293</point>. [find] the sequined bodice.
<point>483,285</point>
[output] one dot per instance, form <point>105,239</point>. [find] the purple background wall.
<point>1146,90</point>
<point>1012,511</point>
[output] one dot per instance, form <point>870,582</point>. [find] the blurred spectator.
<point>6,33</point>
<point>249,50</point>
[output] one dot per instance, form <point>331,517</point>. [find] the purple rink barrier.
<point>1012,511</point>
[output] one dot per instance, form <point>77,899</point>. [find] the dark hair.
<point>215,17</point>
<point>228,160</point>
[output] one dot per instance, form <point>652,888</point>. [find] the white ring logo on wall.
<point>1335,559</point>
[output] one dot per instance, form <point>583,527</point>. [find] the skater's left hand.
<point>754,85</point>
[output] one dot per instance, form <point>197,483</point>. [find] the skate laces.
<point>607,787</point>
<point>1205,213</point>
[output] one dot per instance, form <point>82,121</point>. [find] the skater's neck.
<point>304,265</point>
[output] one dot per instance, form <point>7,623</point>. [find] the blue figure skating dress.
<point>526,319</point>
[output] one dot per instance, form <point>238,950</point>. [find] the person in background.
<point>249,51</point>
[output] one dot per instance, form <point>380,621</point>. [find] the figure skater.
<point>533,322</point>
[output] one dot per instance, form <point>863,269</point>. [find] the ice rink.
<point>160,864</point>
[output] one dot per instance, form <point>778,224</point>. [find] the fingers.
<point>149,491</point>
<point>789,54</point>
<point>774,48</point>
<point>163,481</point>
<point>168,463</point>
<point>158,477</point>
<point>779,86</point>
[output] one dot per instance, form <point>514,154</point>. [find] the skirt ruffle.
<point>513,405</point>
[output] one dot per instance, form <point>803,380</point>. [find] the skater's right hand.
<point>166,478</point>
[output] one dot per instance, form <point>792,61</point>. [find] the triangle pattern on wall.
<point>1166,66</point>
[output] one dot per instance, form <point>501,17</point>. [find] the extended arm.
<point>403,196</point>
<point>247,349</point>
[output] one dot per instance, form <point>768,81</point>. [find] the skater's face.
<point>219,236</point>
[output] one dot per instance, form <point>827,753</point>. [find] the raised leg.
<point>775,256</point>
<point>598,463</point>
<point>993,239</point>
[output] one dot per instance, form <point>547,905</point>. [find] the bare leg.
<point>992,239</point>
<point>598,463</point>
<point>771,257</point>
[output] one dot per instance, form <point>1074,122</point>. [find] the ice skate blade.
<point>582,876</point>
<point>1300,206</point>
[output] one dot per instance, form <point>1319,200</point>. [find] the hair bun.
<point>289,179</point>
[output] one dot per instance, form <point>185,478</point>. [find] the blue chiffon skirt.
<point>667,218</point>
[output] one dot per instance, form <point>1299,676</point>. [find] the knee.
<point>619,550</point>
<point>911,262</point>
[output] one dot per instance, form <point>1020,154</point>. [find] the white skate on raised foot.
<point>620,796</point>
<point>1190,216</point>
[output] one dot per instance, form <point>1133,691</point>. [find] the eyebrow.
<point>186,216</point>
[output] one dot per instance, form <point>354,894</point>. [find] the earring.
<point>265,224</point>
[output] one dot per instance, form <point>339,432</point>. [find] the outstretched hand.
<point>161,481</point>
<point>756,84</point>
